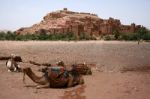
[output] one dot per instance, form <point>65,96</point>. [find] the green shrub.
<point>146,36</point>
<point>7,36</point>
<point>109,37</point>
<point>2,36</point>
<point>84,36</point>
<point>116,34</point>
<point>40,36</point>
<point>129,36</point>
<point>143,33</point>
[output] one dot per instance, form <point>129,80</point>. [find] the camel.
<point>63,79</point>
<point>12,65</point>
<point>81,68</point>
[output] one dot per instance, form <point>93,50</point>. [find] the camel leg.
<point>24,78</point>
<point>9,70</point>
<point>70,81</point>
<point>15,69</point>
<point>43,86</point>
<point>81,80</point>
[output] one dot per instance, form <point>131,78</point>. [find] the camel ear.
<point>84,63</point>
<point>12,55</point>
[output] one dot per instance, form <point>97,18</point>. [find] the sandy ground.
<point>107,83</point>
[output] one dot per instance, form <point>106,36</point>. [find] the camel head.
<point>12,56</point>
<point>12,64</point>
<point>60,63</point>
<point>16,58</point>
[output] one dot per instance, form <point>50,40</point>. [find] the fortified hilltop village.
<point>65,21</point>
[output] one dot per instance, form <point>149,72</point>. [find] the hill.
<point>65,21</point>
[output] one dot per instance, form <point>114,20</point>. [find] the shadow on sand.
<point>75,93</point>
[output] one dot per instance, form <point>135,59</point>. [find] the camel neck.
<point>33,76</point>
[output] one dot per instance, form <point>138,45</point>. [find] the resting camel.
<point>12,65</point>
<point>81,68</point>
<point>63,79</point>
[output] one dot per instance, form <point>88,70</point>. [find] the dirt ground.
<point>108,82</point>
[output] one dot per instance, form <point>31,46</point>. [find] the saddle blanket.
<point>56,71</point>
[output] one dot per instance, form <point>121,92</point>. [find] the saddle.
<point>56,72</point>
<point>57,76</point>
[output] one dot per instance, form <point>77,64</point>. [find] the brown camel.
<point>81,68</point>
<point>63,79</point>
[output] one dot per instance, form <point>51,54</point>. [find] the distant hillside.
<point>65,21</point>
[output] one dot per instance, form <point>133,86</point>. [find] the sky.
<point>15,14</point>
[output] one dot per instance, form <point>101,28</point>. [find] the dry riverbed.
<point>122,69</point>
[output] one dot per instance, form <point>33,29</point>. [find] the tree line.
<point>141,34</point>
